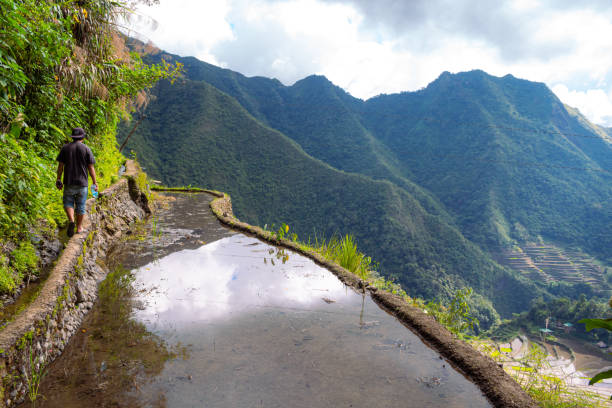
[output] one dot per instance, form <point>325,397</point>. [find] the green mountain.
<point>195,134</point>
<point>316,114</point>
<point>504,156</point>
<point>421,178</point>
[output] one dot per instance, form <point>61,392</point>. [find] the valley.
<point>431,183</point>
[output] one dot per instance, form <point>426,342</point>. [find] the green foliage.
<point>591,324</point>
<point>58,70</point>
<point>36,374</point>
<point>558,312</point>
<point>547,390</point>
<point>24,259</point>
<point>600,377</point>
<point>606,324</point>
<point>455,316</point>
<point>532,373</point>
<point>142,181</point>
<point>7,282</point>
<point>22,262</point>
<point>212,141</point>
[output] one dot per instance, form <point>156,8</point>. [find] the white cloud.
<point>388,46</point>
<point>185,27</point>
<point>595,104</point>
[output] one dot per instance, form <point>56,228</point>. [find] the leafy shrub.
<point>24,259</point>
<point>456,316</point>
<point>59,69</point>
<point>7,283</point>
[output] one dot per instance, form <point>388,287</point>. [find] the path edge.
<point>38,334</point>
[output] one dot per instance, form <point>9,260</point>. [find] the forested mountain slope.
<point>506,158</point>
<point>497,160</point>
<point>318,115</point>
<point>196,134</point>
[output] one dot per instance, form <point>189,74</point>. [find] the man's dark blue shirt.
<point>76,157</point>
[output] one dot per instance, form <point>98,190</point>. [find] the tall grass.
<point>344,252</point>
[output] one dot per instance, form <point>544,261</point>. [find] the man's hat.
<point>77,133</point>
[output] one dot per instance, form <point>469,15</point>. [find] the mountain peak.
<point>320,80</point>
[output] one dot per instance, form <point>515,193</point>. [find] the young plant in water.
<point>281,233</point>
<point>36,374</point>
<point>155,228</point>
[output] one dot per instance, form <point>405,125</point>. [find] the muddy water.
<point>229,321</point>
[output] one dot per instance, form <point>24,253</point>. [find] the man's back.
<point>76,157</point>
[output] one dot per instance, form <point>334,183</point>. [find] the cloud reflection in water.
<point>227,278</point>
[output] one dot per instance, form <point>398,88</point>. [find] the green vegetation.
<point>456,316</point>
<point>21,262</point>
<point>7,283</point>
<point>557,312</point>
<point>24,259</point>
<point>547,390</point>
<point>36,374</point>
<point>62,65</point>
<point>605,324</point>
<point>471,160</point>
<point>213,142</point>
<point>344,252</point>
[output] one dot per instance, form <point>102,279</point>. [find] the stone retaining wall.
<point>39,334</point>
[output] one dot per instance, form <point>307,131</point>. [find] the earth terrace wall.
<point>39,334</point>
<point>489,376</point>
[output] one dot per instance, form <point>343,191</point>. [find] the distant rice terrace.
<point>548,263</point>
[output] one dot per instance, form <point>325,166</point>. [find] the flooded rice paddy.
<point>196,315</point>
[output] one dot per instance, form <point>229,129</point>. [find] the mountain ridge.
<point>470,156</point>
<point>387,222</point>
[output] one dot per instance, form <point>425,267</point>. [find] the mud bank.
<point>39,334</point>
<point>495,383</point>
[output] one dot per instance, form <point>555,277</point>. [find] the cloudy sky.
<point>385,46</point>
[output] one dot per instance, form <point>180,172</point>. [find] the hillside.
<point>504,156</point>
<point>316,114</point>
<point>212,141</point>
<point>499,161</point>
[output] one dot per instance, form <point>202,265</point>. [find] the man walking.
<point>75,160</point>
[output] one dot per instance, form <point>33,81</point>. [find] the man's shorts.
<point>75,196</point>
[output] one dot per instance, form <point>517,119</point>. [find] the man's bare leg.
<point>80,218</point>
<point>69,213</point>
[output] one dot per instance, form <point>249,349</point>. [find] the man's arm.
<point>60,170</point>
<point>92,173</point>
